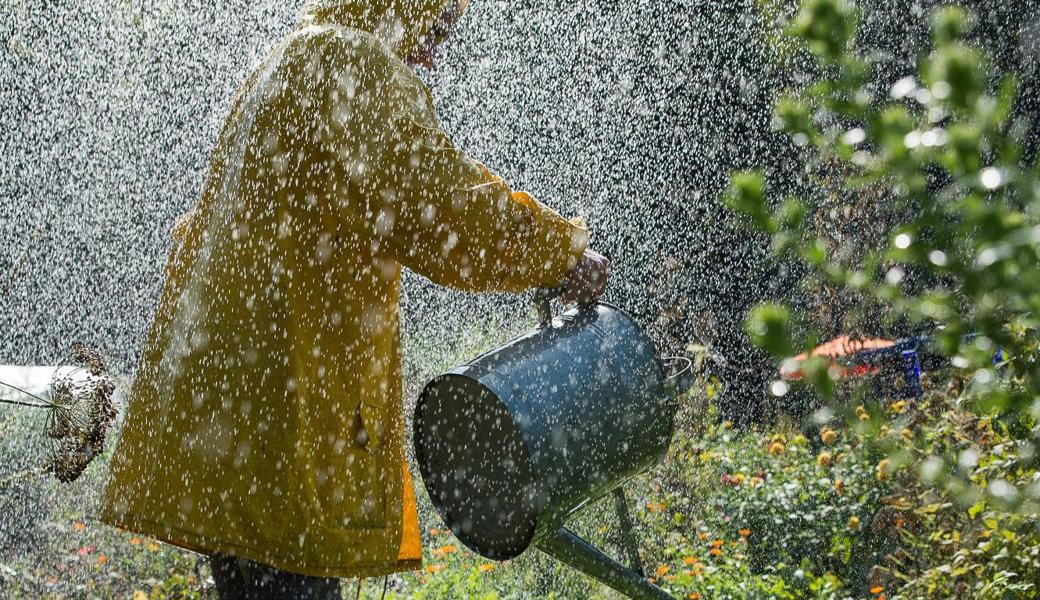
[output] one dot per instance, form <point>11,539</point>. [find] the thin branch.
<point>48,402</point>
<point>24,403</point>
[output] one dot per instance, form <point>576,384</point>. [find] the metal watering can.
<point>513,442</point>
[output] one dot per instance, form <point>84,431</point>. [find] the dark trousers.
<point>241,579</point>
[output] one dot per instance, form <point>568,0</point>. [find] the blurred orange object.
<point>836,349</point>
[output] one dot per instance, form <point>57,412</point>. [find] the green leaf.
<point>769,327</point>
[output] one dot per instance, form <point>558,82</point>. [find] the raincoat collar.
<point>401,24</point>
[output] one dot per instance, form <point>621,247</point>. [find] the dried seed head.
<point>82,414</point>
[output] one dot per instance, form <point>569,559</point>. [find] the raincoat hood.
<point>401,24</point>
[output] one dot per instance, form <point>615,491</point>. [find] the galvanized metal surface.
<point>519,438</point>
<point>564,545</point>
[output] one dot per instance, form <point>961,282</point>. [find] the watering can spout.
<point>565,545</point>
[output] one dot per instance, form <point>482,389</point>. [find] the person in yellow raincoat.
<point>265,422</point>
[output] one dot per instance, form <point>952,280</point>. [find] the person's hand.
<point>587,280</point>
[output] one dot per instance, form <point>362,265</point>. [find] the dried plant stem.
<point>46,403</point>
<point>24,403</point>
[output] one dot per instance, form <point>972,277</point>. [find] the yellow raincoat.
<point>265,420</point>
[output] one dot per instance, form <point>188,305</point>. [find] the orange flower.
<point>449,549</point>
<point>824,460</point>
<point>877,589</point>
<point>655,506</point>
<point>101,559</point>
<point>690,560</point>
<point>78,526</point>
<point>434,568</point>
<point>884,468</point>
<point>435,531</point>
<point>839,486</point>
<point>776,448</point>
<point>745,532</point>
<point>661,570</point>
<point>703,536</point>
<point>135,541</point>
<point>486,567</point>
<point>716,552</point>
<point>717,544</point>
<point>694,596</point>
<point>828,436</point>
<point>697,568</point>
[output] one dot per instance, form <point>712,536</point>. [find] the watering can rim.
<point>455,373</point>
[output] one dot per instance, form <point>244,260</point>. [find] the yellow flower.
<point>907,433</point>
<point>655,506</point>
<point>828,436</point>
<point>862,413</point>
<point>853,522</point>
<point>706,456</point>
<point>756,481</point>
<point>898,407</point>
<point>486,567</point>
<point>799,440</point>
<point>738,479</point>
<point>776,448</point>
<point>153,547</point>
<point>703,536</point>
<point>661,570</point>
<point>824,459</point>
<point>884,468</point>
<point>885,430</point>
<point>839,486</point>
<point>694,596</point>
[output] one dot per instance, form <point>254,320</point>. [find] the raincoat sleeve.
<point>446,216</point>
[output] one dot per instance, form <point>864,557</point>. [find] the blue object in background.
<point>912,372</point>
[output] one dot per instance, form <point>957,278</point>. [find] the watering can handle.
<point>542,301</point>
<point>683,379</point>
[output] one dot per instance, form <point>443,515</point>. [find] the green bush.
<point>943,152</point>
